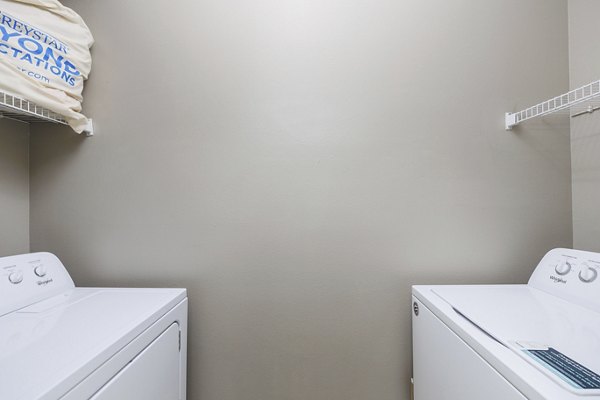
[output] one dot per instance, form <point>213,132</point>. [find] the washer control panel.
<point>28,278</point>
<point>570,274</point>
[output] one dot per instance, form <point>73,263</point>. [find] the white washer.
<point>62,342</point>
<point>512,342</point>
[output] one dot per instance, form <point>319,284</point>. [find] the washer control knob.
<point>16,277</point>
<point>40,271</point>
<point>564,267</point>
<point>587,274</point>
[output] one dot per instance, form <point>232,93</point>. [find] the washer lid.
<point>557,336</point>
<point>50,346</point>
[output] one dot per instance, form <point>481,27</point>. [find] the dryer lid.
<point>50,346</point>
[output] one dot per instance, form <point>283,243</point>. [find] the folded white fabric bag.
<point>45,56</point>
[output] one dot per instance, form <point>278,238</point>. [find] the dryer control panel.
<point>570,274</point>
<point>28,278</point>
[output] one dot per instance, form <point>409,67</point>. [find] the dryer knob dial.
<point>15,277</point>
<point>563,268</point>
<point>588,274</point>
<point>40,271</point>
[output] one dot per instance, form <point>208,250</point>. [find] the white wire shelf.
<point>579,101</point>
<point>16,108</point>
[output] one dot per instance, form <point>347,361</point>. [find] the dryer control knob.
<point>40,271</point>
<point>588,274</point>
<point>563,268</point>
<point>15,277</point>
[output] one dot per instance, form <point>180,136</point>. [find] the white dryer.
<point>62,342</point>
<point>512,342</point>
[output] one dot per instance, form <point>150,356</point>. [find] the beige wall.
<point>585,130</point>
<point>298,165</point>
<point>14,187</point>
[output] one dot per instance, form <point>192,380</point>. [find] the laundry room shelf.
<point>16,108</point>
<point>583,100</point>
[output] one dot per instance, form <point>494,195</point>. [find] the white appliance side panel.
<point>152,375</point>
<point>445,367</point>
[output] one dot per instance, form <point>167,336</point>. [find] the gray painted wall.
<point>298,165</point>
<point>14,187</point>
<point>584,61</point>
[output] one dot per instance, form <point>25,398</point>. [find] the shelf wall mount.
<point>567,101</point>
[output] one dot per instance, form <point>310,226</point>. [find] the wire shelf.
<point>19,109</point>
<point>579,101</point>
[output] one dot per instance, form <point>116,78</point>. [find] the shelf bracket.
<point>510,120</point>
<point>89,128</point>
